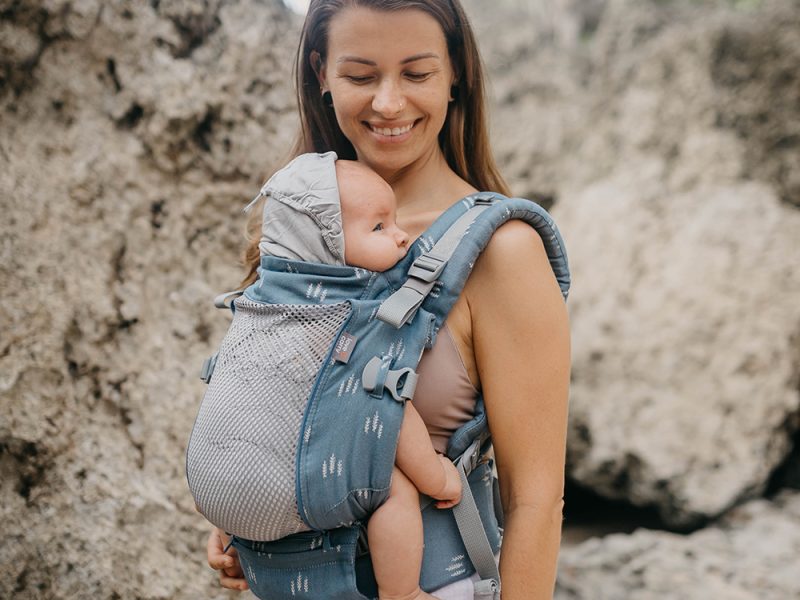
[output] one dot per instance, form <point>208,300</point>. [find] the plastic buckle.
<point>427,268</point>
<point>221,301</point>
<point>485,200</point>
<point>208,368</point>
<point>377,377</point>
<point>487,588</point>
<point>471,457</point>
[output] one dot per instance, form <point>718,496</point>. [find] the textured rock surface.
<point>131,138</point>
<point>660,415</point>
<point>649,121</point>
<point>750,555</point>
<point>132,133</point>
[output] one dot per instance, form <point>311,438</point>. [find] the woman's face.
<point>389,75</point>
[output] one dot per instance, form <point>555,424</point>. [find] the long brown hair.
<point>464,138</point>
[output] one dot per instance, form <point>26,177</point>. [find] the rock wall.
<point>662,133</point>
<point>750,555</point>
<point>132,135</point>
<point>668,134</point>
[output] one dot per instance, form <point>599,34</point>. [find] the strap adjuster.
<point>427,268</point>
<point>208,368</point>
<point>221,301</point>
<point>377,377</point>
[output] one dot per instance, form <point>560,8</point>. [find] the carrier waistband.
<point>306,540</point>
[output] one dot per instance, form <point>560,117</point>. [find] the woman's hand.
<point>230,571</point>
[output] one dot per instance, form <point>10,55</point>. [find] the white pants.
<point>463,589</point>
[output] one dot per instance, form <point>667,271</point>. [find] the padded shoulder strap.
<point>437,276</point>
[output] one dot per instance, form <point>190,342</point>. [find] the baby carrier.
<point>294,442</point>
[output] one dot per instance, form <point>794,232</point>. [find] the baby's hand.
<point>451,492</point>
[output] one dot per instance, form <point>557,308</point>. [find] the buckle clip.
<point>208,368</point>
<point>485,200</point>
<point>427,268</point>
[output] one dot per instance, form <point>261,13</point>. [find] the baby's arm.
<point>431,473</point>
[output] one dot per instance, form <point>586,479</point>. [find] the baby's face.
<point>372,239</point>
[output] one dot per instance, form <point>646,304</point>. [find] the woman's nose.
<point>388,100</point>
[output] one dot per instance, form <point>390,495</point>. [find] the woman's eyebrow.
<point>372,63</point>
<point>419,57</point>
<point>356,59</point>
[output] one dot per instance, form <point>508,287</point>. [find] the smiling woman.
<point>391,101</point>
<point>398,86</point>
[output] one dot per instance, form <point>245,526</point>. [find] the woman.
<point>397,84</point>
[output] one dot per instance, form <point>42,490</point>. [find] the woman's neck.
<point>428,184</point>
<point>424,190</point>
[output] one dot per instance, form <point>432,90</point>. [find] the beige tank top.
<point>444,397</point>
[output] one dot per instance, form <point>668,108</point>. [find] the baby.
<point>309,217</point>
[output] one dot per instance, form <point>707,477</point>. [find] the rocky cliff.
<point>663,134</point>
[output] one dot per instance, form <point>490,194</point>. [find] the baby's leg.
<point>395,542</point>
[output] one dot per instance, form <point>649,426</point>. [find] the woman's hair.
<point>464,138</point>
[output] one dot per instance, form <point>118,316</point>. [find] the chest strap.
<point>401,306</point>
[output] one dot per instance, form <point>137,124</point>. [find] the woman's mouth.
<point>391,134</point>
<point>392,130</point>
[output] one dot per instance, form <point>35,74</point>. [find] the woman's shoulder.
<point>514,247</point>
<point>513,268</point>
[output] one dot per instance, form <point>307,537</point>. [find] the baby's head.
<point>320,209</point>
<point>372,239</point>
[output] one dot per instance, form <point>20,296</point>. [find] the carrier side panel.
<point>241,459</point>
<point>350,434</point>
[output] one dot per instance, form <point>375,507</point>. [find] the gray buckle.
<point>427,268</point>
<point>221,301</point>
<point>471,456</point>
<point>208,368</point>
<point>485,200</point>
<point>378,377</point>
<point>487,588</point>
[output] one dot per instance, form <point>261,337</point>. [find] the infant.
<point>324,210</point>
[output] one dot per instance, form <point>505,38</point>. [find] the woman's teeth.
<point>392,130</point>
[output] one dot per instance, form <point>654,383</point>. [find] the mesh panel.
<point>241,455</point>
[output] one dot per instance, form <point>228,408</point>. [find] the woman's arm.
<point>520,335</point>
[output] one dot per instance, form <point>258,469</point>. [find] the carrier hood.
<point>303,215</point>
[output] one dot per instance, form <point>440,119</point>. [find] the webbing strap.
<point>398,308</point>
<point>471,529</point>
<point>221,301</point>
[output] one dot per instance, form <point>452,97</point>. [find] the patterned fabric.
<point>463,589</point>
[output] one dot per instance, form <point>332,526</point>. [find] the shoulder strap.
<point>450,260</point>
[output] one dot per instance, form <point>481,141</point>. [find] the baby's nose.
<point>402,237</point>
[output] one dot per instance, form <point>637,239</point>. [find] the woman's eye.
<point>378,227</point>
<point>418,76</point>
<point>358,78</point>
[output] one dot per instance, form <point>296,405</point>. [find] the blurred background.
<point>663,135</point>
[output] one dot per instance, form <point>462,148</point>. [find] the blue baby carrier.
<point>294,443</point>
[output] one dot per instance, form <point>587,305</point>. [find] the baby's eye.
<point>378,227</point>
